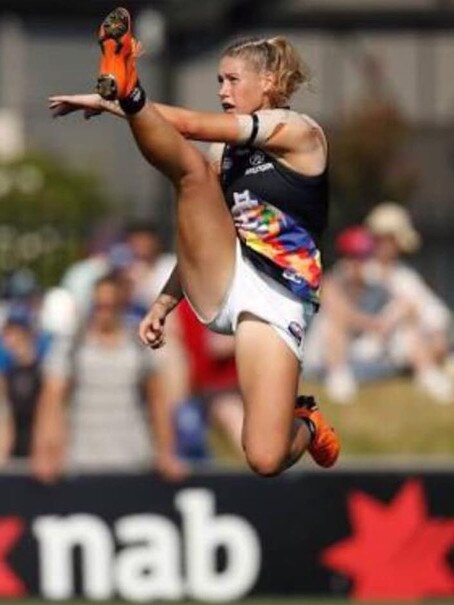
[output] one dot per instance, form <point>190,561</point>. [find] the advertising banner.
<point>221,537</point>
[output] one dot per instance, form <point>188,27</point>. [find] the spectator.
<point>350,338</point>
<point>80,278</point>
<point>151,266</point>
<point>422,342</point>
<point>139,257</point>
<point>21,353</point>
<point>105,373</point>
<point>19,291</point>
<point>59,314</point>
<point>148,272</point>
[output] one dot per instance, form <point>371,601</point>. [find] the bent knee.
<point>266,463</point>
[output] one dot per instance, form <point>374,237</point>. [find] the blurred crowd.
<point>378,317</point>
<point>78,392</point>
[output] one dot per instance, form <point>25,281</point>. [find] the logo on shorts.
<point>297,331</point>
<point>257,158</point>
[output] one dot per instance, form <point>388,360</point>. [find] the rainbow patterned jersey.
<point>279,216</point>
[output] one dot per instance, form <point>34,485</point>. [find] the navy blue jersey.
<point>279,215</point>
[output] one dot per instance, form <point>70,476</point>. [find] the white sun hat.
<point>392,219</point>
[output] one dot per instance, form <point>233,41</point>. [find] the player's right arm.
<point>151,329</point>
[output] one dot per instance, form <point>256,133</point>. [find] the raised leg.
<point>206,237</point>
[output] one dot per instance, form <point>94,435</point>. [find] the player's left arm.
<point>293,138</point>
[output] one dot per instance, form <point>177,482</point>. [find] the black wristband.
<point>135,101</point>
<point>254,131</point>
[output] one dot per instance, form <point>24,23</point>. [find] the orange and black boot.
<point>117,71</point>
<point>324,446</point>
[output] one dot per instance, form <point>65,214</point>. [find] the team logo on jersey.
<point>297,331</point>
<point>258,157</point>
<point>258,164</point>
<point>292,275</point>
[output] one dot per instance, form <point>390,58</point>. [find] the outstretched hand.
<point>90,104</point>
<point>151,329</point>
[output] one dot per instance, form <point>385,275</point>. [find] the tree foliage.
<point>368,163</point>
<point>46,211</point>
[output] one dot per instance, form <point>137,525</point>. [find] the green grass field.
<point>389,418</point>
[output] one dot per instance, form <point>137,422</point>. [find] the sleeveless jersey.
<point>279,215</point>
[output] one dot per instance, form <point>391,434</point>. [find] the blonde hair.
<point>277,56</point>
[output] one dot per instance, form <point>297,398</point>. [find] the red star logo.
<point>11,528</point>
<point>396,551</point>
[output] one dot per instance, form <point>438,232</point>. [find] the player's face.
<point>241,88</point>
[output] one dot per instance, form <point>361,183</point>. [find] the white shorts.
<point>254,292</point>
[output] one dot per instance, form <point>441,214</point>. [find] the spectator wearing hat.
<point>348,342</point>
<point>422,341</point>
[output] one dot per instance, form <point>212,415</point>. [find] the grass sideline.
<point>388,418</point>
<point>391,417</point>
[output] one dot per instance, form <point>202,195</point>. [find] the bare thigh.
<point>206,240</point>
<point>206,236</point>
<point>268,374</point>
